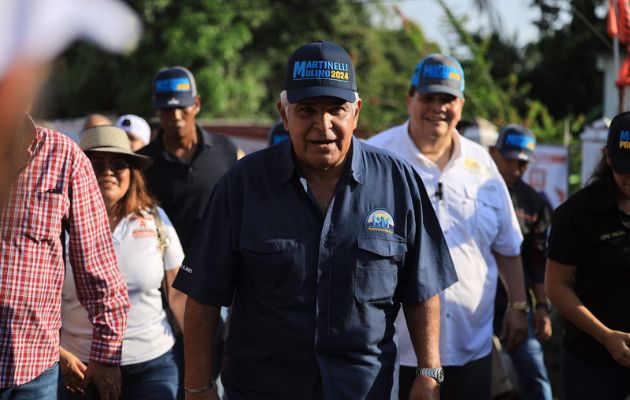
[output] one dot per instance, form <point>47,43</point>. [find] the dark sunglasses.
<point>116,164</point>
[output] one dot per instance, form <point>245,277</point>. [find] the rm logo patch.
<point>380,220</point>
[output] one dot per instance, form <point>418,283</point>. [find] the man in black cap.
<point>512,153</point>
<point>315,243</point>
<point>187,160</point>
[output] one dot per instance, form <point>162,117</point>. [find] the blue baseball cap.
<point>515,142</point>
<point>320,69</point>
<point>437,73</point>
<point>618,143</point>
<point>174,87</point>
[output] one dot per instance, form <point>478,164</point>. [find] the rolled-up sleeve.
<point>99,283</point>
<point>210,267</point>
<point>428,267</point>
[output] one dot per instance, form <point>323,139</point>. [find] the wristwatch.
<point>435,373</point>
<point>522,306</point>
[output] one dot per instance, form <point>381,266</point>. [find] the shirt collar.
<point>35,145</point>
<point>288,168</point>
<point>458,150</point>
<point>205,141</point>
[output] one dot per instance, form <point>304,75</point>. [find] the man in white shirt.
<point>476,215</point>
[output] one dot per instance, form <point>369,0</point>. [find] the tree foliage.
<point>204,35</point>
<point>561,67</point>
<point>237,51</point>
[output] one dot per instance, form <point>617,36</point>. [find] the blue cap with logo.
<point>437,73</point>
<point>174,87</point>
<point>516,142</point>
<point>320,69</point>
<point>618,143</point>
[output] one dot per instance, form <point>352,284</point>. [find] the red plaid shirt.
<point>56,189</point>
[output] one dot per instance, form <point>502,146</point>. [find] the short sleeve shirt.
<point>314,296</point>
<point>183,189</point>
<point>142,265</point>
<point>475,212</point>
<point>587,233</point>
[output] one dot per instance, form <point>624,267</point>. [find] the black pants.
<point>470,381</point>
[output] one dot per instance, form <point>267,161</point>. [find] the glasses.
<point>116,165</point>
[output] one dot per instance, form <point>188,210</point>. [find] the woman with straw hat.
<point>148,252</point>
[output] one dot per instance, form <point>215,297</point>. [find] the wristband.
<point>198,390</point>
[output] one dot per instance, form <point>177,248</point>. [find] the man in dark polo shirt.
<point>512,153</point>
<point>315,243</point>
<point>187,160</point>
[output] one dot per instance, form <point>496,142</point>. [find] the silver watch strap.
<point>435,373</point>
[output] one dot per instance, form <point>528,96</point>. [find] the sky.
<point>516,17</point>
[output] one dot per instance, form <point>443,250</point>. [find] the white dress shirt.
<point>476,214</point>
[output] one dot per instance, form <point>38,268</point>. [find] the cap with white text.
<point>174,87</point>
<point>320,69</point>
<point>516,142</point>
<point>437,73</point>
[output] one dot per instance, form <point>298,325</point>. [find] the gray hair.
<point>284,100</point>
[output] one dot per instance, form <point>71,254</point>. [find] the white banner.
<point>549,173</point>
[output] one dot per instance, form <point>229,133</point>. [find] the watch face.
<point>440,375</point>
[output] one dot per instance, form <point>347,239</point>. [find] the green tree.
<point>384,57</point>
<point>238,51</point>
<point>493,87</point>
<point>561,67</point>
<point>206,36</point>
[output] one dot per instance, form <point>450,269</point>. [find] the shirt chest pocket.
<point>274,269</point>
<point>461,212</point>
<point>376,272</point>
<point>42,214</point>
<point>488,216</point>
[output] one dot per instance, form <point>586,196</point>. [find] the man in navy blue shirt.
<point>315,243</point>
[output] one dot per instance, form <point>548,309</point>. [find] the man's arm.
<point>515,321</point>
<point>542,322</point>
<point>201,322</point>
<point>99,284</point>
<point>423,321</point>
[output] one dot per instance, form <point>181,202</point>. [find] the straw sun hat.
<point>110,139</point>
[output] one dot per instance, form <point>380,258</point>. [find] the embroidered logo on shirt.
<point>143,233</point>
<point>471,164</point>
<point>612,235</point>
<point>186,268</point>
<point>380,220</point>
